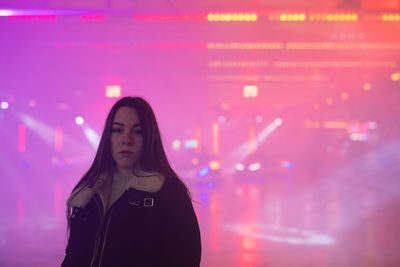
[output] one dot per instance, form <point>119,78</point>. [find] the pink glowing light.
<point>33,17</point>
<point>58,139</point>
<point>248,243</point>
<point>197,134</point>
<point>170,17</point>
<point>95,17</point>
<point>21,138</point>
<point>215,142</point>
<point>252,139</point>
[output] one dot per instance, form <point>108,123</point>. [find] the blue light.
<point>288,165</point>
<point>25,164</point>
<point>190,144</point>
<point>203,172</point>
<point>204,197</point>
<point>210,184</point>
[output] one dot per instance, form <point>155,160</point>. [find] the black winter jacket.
<point>140,229</point>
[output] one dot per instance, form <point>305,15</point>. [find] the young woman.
<point>130,208</point>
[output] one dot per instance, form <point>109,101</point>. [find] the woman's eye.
<point>117,130</point>
<point>138,132</point>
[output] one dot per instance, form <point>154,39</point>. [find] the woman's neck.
<point>125,171</point>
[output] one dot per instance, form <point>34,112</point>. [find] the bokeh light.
<point>4,105</point>
<point>79,120</point>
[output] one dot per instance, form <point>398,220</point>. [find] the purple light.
<point>203,172</point>
<point>210,184</point>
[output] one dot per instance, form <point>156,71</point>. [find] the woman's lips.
<point>125,153</point>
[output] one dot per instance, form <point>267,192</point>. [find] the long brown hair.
<point>152,158</point>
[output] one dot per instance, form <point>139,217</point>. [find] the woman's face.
<point>126,139</point>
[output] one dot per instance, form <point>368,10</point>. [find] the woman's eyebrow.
<point>121,124</point>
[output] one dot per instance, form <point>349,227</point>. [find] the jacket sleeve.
<point>84,224</point>
<point>183,247</point>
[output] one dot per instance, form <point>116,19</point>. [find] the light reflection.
<point>44,131</point>
<point>92,136</point>
<point>276,233</point>
<point>242,151</point>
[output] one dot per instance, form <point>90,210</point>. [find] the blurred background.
<point>282,117</point>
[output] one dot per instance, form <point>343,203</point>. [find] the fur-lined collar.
<point>145,181</point>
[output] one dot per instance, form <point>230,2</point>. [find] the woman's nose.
<point>127,138</point>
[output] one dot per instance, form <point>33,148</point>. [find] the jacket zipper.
<point>105,236</point>
<point>97,239</point>
<point>95,250</point>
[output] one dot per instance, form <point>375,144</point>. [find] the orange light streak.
<point>305,45</point>
<point>293,17</point>
<point>390,17</point>
<point>334,17</point>
<point>335,124</point>
<point>232,17</point>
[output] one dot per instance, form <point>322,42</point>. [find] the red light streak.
<point>95,17</point>
<point>197,134</point>
<point>252,139</point>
